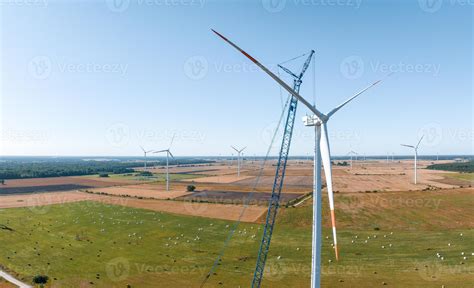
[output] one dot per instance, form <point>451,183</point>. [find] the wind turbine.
<point>321,152</point>
<point>145,153</point>
<point>239,153</point>
<point>352,153</point>
<point>168,153</point>
<point>416,151</point>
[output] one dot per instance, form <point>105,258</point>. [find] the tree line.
<point>463,167</point>
<point>21,169</point>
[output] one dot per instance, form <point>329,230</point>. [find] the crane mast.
<point>274,202</point>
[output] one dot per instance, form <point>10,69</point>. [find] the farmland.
<point>128,230</point>
<point>84,243</point>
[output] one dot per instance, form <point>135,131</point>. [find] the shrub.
<point>40,279</point>
<point>146,173</point>
<point>190,188</point>
<point>103,175</point>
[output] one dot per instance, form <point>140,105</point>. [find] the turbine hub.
<point>312,120</point>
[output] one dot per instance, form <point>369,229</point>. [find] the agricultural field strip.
<point>41,189</point>
<point>218,211</point>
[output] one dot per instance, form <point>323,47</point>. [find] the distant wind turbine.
<point>352,153</point>
<point>168,153</point>
<point>145,153</point>
<point>415,148</point>
<point>239,153</point>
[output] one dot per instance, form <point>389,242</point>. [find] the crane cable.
<point>249,197</point>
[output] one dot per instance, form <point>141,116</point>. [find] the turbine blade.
<point>171,154</point>
<point>278,80</point>
<point>411,146</point>
<point>235,149</point>
<point>172,139</point>
<point>143,149</point>
<point>419,141</point>
<point>161,151</point>
<point>326,159</point>
<point>243,149</point>
<point>356,95</point>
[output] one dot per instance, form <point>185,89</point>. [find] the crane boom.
<point>274,202</point>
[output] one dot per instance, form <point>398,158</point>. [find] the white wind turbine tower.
<point>239,154</point>
<point>321,152</point>
<point>145,152</point>
<point>168,153</point>
<point>415,148</point>
<point>352,153</point>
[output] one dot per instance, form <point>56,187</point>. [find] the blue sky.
<point>103,77</point>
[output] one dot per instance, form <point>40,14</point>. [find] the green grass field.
<point>462,176</point>
<point>88,244</point>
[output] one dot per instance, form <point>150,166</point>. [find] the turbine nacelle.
<point>312,120</point>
